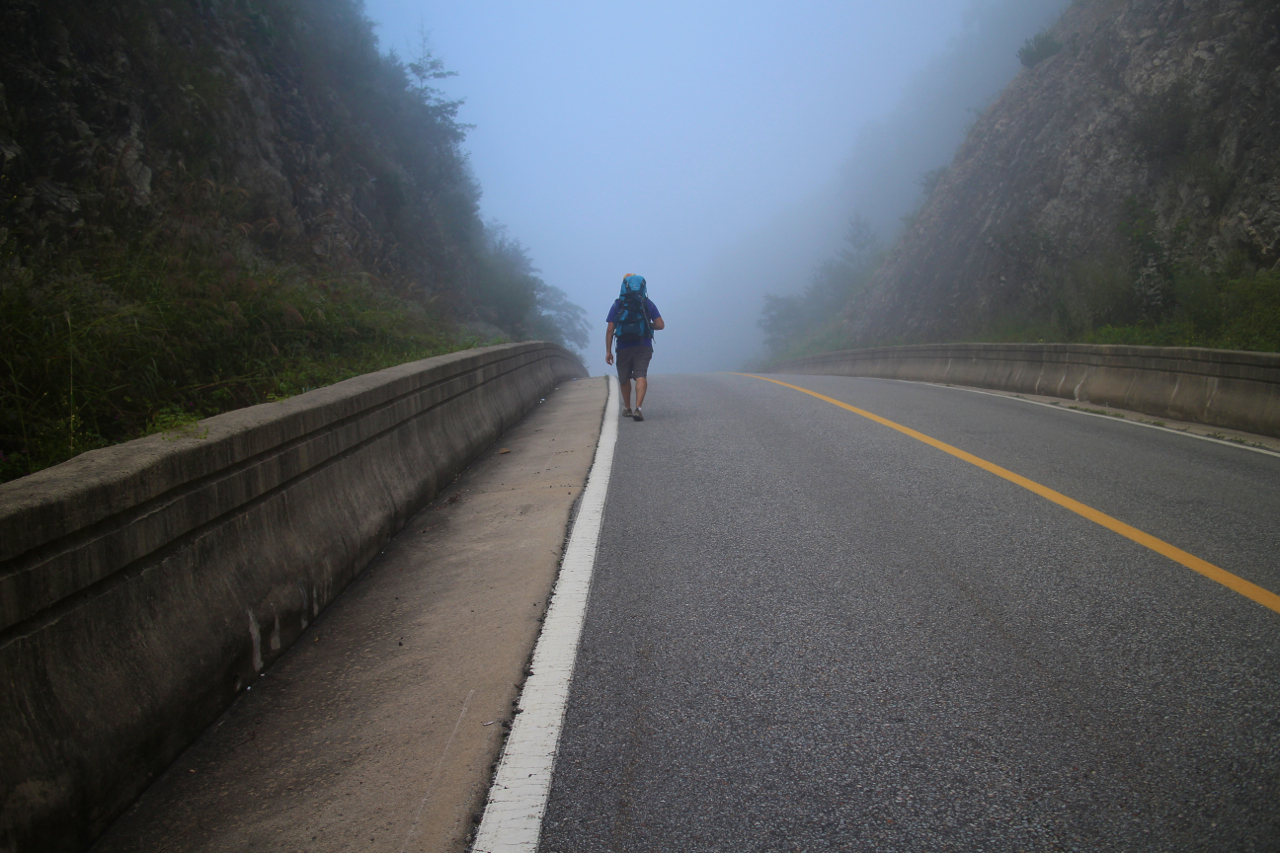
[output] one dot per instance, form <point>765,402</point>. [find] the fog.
<point>719,149</point>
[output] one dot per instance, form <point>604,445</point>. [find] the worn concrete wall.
<point>1239,390</point>
<point>143,586</point>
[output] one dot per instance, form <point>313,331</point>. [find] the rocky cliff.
<point>1140,148</point>
<point>206,204</point>
<point>113,113</point>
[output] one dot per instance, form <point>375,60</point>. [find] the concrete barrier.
<point>144,586</point>
<point>1238,390</point>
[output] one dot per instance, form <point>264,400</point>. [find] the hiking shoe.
<point>626,413</point>
<point>637,414</point>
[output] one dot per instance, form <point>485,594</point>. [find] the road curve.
<point>811,631</point>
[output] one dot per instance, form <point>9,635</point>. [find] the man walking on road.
<point>632,320</point>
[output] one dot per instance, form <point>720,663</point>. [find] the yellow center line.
<point>1249,590</point>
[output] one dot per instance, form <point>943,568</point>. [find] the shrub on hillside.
<point>1038,48</point>
<point>175,327</point>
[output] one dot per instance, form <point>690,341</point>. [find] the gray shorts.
<point>633,363</point>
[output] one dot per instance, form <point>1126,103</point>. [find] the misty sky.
<point>717,148</point>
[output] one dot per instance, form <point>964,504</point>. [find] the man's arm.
<point>655,319</point>
<point>608,343</point>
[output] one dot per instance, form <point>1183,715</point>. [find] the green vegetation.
<point>1219,310</point>
<point>164,256</point>
<point>1155,292</point>
<point>1038,48</point>
<point>1212,310</point>
<point>1153,295</point>
<point>176,326</point>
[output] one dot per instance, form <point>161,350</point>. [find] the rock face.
<point>279,121</point>
<point>1149,141</point>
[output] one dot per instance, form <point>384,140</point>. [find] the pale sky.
<point>716,148</point>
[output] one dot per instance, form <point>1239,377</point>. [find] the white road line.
<point>513,816</point>
<point>1072,406</point>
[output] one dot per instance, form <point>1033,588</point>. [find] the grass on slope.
<point>1217,312</point>
<point>183,323</point>
<point>1240,312</point>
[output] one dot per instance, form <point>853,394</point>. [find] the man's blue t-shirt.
<point>650,309</point>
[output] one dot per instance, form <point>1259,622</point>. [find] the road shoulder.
<point>379,729</point>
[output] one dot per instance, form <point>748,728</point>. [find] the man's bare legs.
<point>642,385</point>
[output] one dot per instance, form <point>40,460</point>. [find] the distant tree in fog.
<point>789,322</point>
<point>512,296</point>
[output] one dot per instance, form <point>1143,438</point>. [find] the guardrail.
<point>1228,388</point>
<point>144,586</point>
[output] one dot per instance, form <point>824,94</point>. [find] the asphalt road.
<point>811,632</point>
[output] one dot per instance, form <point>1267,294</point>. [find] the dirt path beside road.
<point>378,730</point>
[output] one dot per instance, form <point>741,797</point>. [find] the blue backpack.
<point>633,320</point>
